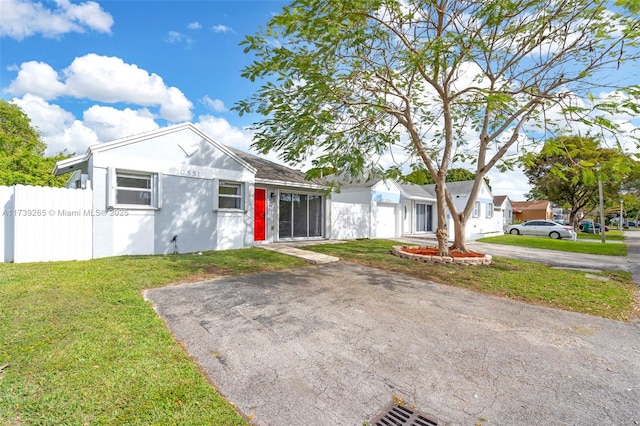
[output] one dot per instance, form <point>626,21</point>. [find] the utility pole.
<point>603,233</point>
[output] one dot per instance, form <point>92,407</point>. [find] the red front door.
<point>259,212</point>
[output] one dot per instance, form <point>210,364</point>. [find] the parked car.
<point>544,228</point>
<point>597,226</point>
<point>591,227</point>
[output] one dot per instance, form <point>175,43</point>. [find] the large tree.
<point>22,151</point>
<point>567,169</point>
<point>346,82</point>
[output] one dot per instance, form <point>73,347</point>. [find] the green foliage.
<point>420,176</point>
<point>564,172</point>
<point>346,82</point>
<point>22,157</point>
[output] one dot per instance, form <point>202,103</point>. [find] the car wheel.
<point>555,235</point>
<point>514,232</point>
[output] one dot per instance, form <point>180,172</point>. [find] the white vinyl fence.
<point>45,224</point>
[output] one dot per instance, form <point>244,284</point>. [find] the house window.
<point>476,209</point>
<point>489,209</point>
<point>230,195</point>
<point>136,189</point>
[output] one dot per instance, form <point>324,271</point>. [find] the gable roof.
<point>499,199</point>
<point>74,163</point>
<point>456,188</point>
<point>411,190</point>
<point>265,171</point>
<point>462,187</point>
<point>531,205</point>
<point>274,173</point>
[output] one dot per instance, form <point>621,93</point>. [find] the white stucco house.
<point>366,210</point>
<point>502,205</point>
<point>383,208</point>
<point>176,189</point>
<point>484,221</point>
<point>178,182</point>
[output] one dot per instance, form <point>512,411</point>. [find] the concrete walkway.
<point>293,249</point>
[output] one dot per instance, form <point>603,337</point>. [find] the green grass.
<point>525,281</point>
<point>585,247</point>
<point>83,347</point>
<point>612,235</point>
<point>80,346</point>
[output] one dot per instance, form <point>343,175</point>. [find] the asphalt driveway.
<point>333,344</point>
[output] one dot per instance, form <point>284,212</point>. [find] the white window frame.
<point>476,209</point>
<point>153,191</point>
<point>489,209</point>
<point>238,196</point>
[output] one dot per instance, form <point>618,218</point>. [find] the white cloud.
<point>110,79</point>
<point>221,131</point>
<point>194,25</point>
<point>221,28</point>
<point>24,18</point>
<point>104,79</point>
<point>37,78</point>
<point>215,104</point>
<point>514,183</point>
<point>175,37</point>
<point>58,127</point>
<point>110,123</point>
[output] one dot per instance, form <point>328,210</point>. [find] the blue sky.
<point>89,72</point>
<point>92,71</point>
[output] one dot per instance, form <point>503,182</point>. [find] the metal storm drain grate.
<point>398,415</point>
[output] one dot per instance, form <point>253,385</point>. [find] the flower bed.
<point>430,254</point>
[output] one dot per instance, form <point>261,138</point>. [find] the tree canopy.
<point>421,177</point>
<point>567,169</point>
<point>22,151</point>
<point>432,83</point>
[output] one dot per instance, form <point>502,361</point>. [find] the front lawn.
<point>80,345</point>
<point>613,235</point>
<point>585,247</point>
<point>526,281</point>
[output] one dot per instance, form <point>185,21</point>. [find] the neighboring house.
<point>177,181</point>
<point>383,208</point>
<point>366,210</point>
<point>529,210</point>
<point>502,204</point>
<point>483,221</point>
<point>418,210</point>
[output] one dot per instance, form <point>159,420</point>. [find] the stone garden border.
<point>398,251</point>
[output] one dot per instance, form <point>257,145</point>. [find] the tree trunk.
<point>441,208</point>
<point>572,220</point>
<point>459,241</point>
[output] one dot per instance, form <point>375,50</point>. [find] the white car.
<point>544,228</point>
